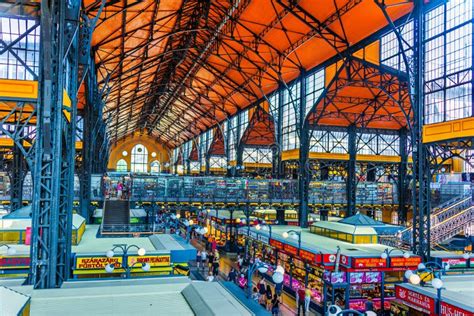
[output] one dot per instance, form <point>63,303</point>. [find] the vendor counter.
<point>335,271</point>
<point>166,255</point>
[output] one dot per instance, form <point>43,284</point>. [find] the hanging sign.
<point>416,300</point>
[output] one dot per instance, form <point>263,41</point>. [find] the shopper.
<point>262,291</point>
<point>240,261</point>
<point>307,299</point>
<point>199,259</point>
<point>300,296</point>
<point>232,275</point>
<point>215,267</point>
<point>369,305</point>
<point>242,281</point>
<point>210,277</point>
<point>279,288</point>
<point>211,260</point>
<point>203,258</point>
<point>255,294</point>
<point>268,296</point>
<point>276,305</point>
<point>119,190</point>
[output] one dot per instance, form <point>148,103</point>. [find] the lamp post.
<point>294,232</point>
<point>386,254</point>
<point>125,249</point>
<point>434,269</point>
<point>262,267</point>
<point>10,250</point>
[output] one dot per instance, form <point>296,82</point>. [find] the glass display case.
<point>257,190</point>
<point>327,192</point>
<point>4,186</point>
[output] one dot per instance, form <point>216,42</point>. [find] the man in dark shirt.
<point>369,305</point>
<point>300,294</point>
<point>232,275</point>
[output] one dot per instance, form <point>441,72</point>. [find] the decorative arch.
<point>139,159</point>
<point>155,167</point>
<point>121,166</point>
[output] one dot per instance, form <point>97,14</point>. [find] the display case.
<point>236,188</point>
<point>257,190</point>
<point>96,187</point>
<point>4,186</point>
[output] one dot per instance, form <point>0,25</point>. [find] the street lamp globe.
<point>437,283</point>
<point>406,255</point>
<point>285,235</point>
<point>141,252</point>
<point>258,227</point>
<point>110,253</point>
<point>280,269</point>
<point>421,266</point>
<point>178,216</point>
<point>11,251</point>
<point>414,279</point>
<point>146,267</point>
<point>384,255</point>
<point>466,255</point>
<point>447,267</point>
<point>277,277</point>
<point>408,274</point>
<point>109,268</point>
<point>191,222</point>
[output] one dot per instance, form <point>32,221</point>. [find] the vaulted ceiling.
<point>174,68</point>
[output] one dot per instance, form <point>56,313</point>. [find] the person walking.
<point>300,296</point>
<point>307,299</point>
<point>268,296</point>
<point>369,305</point>
<point>215,267</point>
<point>204,258</point>
<point>198,259</point>
<point>262,291</point>
<point>210,277</point>
<point>232,275</point>
<point>276,305</point>
<point>255,294</point>
<point>240,261</point>
<point>242,281</point>
<point>211,260</point>
<point>119,190</point>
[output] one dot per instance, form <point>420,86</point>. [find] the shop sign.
<point>369,263</point>
<point>275,243</point>
<point>365,277</point>
<point>405,262</point>
<point>416,300</point>
<point>345,260</point>
<point>330,258</point>
<point>290,249</point>
<point>308,256</point>
<point>455,262</point>
<point>14,262</point>
<point>154,261</point>
<point>451,310</point>
<point>263,239</point>
<point>359,304</point>
<point>97,262</point>
<point>334,277</point>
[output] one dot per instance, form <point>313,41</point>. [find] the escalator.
<point>447,220</point>
<point>116,216</point>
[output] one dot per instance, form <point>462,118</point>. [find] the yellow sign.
<point>154,261</point>
<point>97,262</point>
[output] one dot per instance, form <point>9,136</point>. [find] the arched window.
<point>155,167</point>
<point>121,166</point>
<point>139,159</point>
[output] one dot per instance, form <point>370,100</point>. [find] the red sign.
<point>405,262</point>
<point>330,258</point>
<point>28,236</point>
<point>275,243</point>
<point>308,256</point>
<point>369,263</point>
<point>451,310</point>
<point>12,262</point>
<point>290,249</point>
<point>416,300</point>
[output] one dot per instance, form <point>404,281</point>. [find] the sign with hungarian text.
<point>369,263</point>
<point>14,262</point>
<point>275,243</point>
<point>97,262</point>
<point>290,249</point>
<point>154,261</point>
<point>416,300</point>
<point>451,310</point>
<point>405,262</point>
<point>455,262</point>
<point>307,256</point>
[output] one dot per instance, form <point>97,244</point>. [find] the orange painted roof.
<point>178,67</point>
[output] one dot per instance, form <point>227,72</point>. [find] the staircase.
<point>447,220</point>
<point>116,216</point>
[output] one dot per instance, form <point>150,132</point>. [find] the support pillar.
<point>402,174</point>
<point>17,175</point>
<point>351,183</point>
<point>303,172</point>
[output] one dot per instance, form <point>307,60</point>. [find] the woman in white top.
<point>210,277</point>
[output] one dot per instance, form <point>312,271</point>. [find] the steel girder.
<point>54,153</point>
